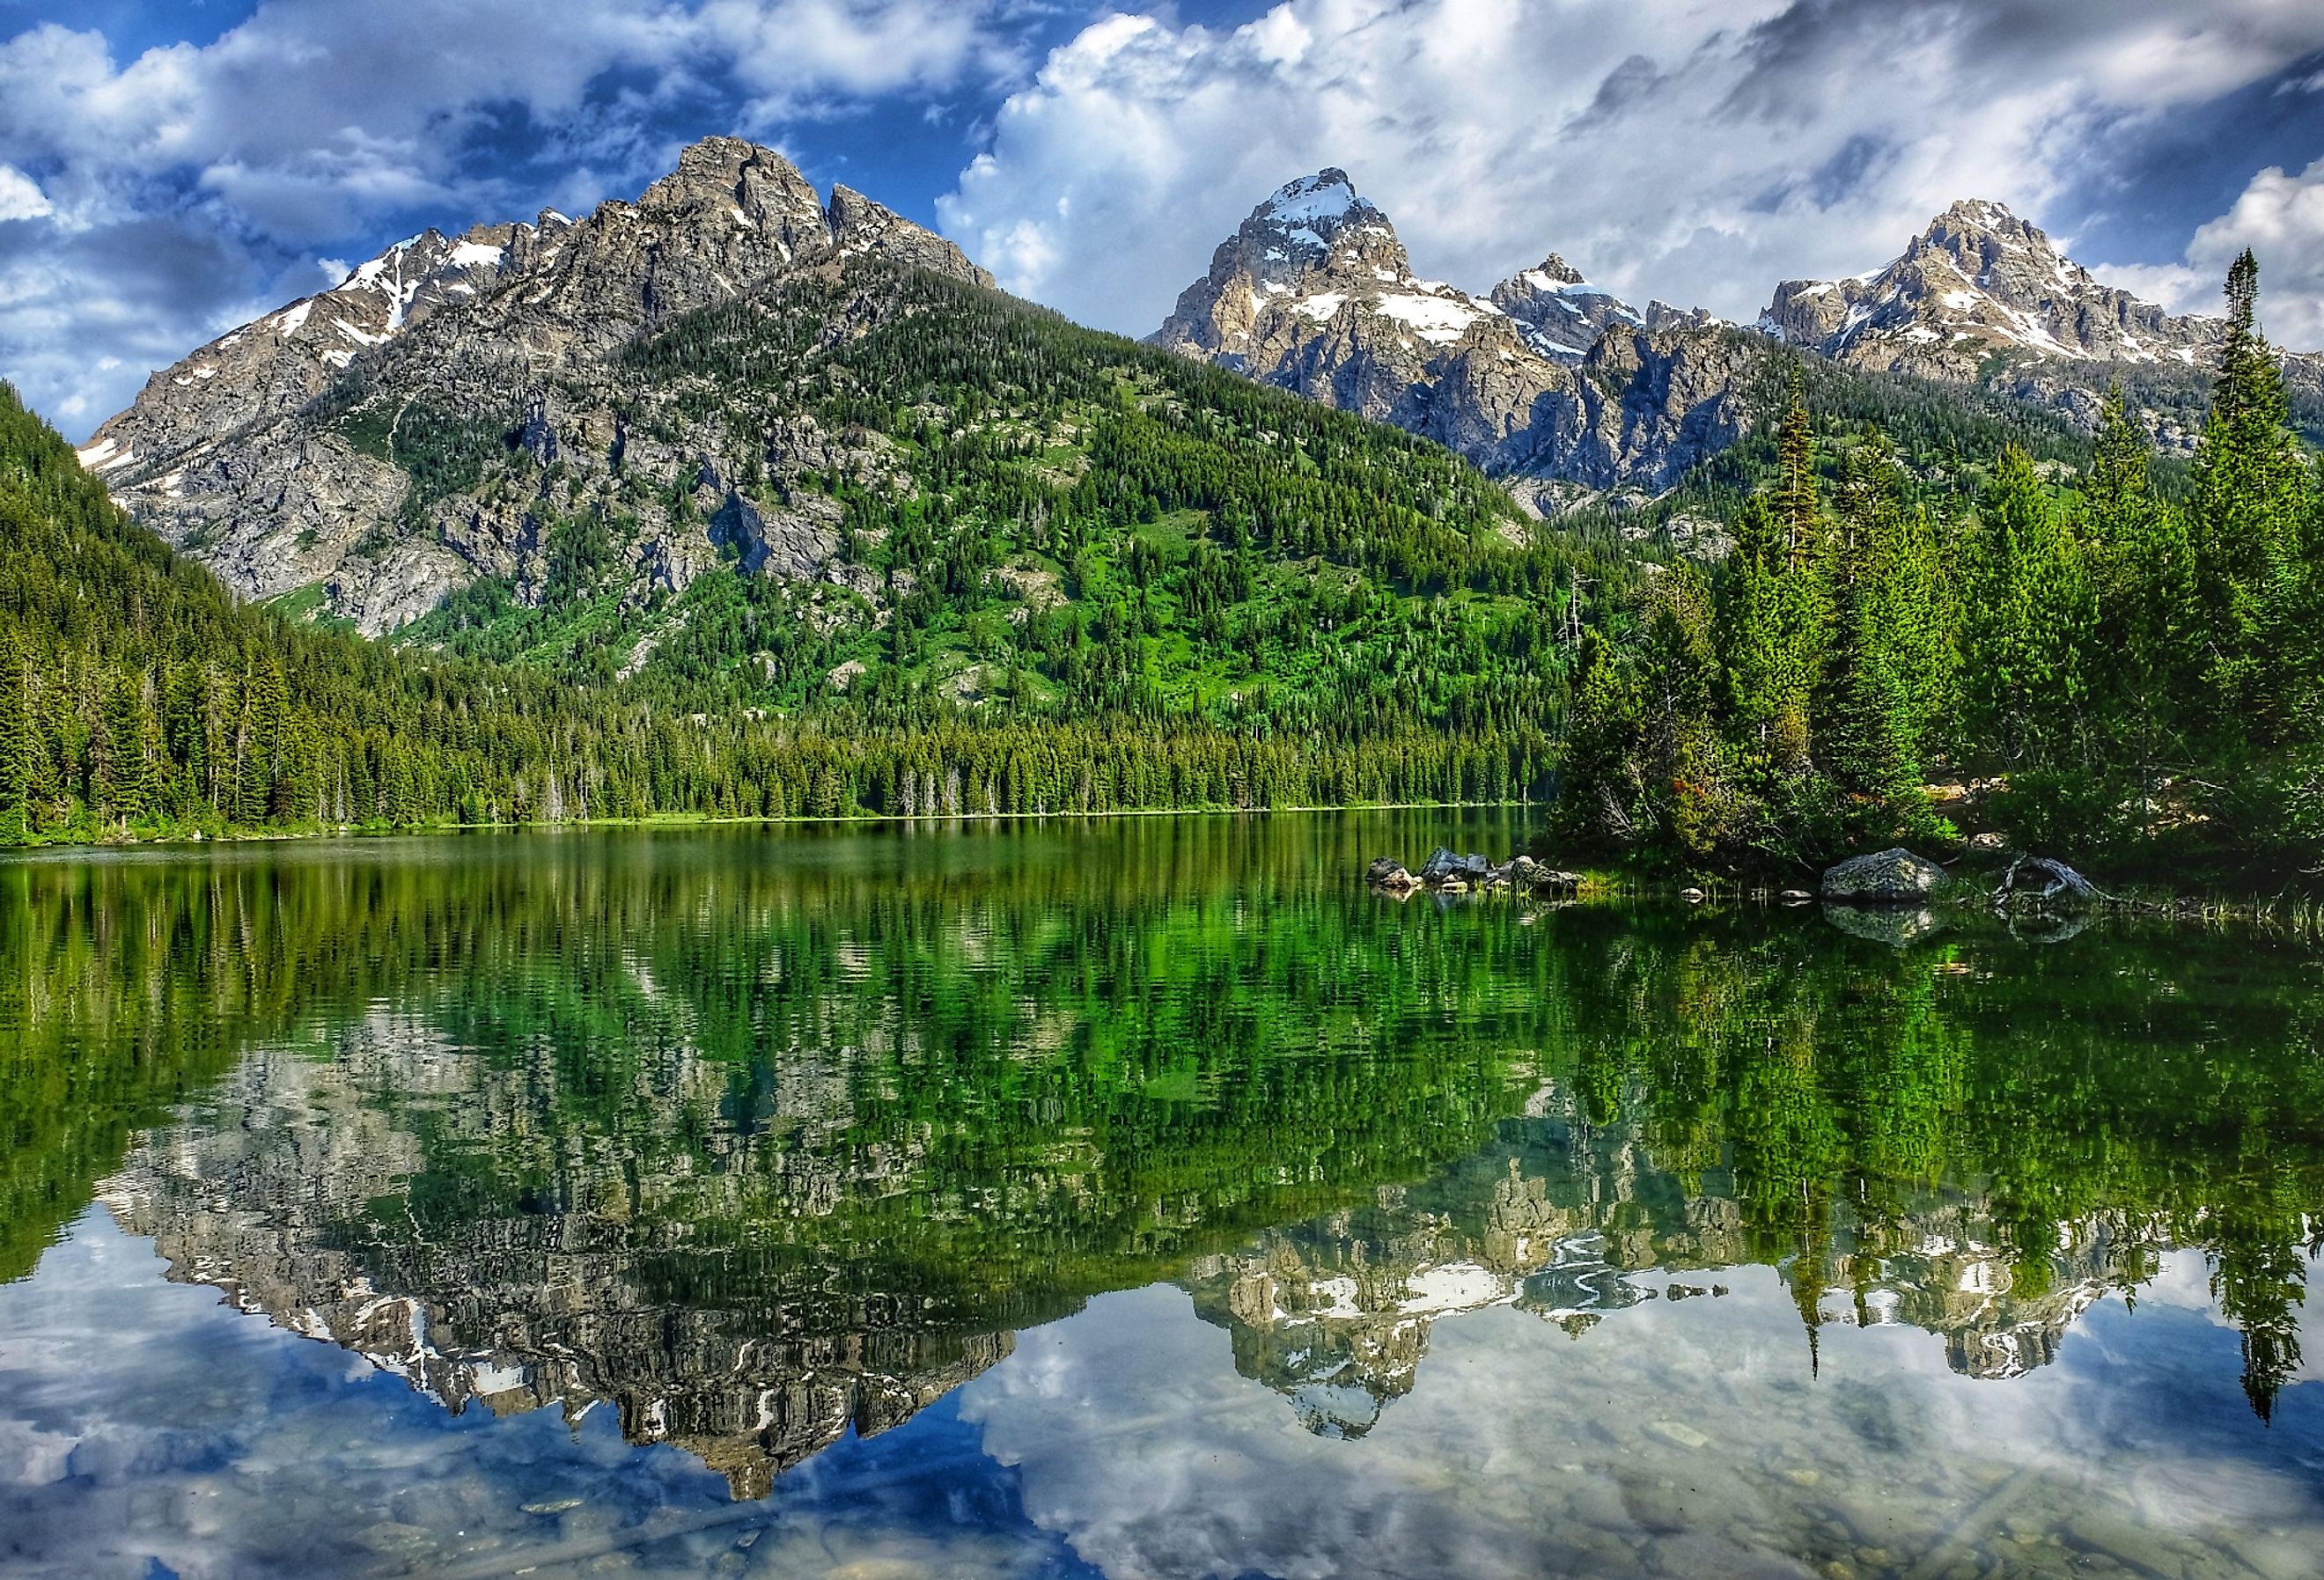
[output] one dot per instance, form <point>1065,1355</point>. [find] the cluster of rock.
<point>1447,872</point>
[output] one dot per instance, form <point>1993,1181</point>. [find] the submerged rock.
<point>1890,877</point>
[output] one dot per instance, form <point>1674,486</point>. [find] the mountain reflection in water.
<point>772,1142</point>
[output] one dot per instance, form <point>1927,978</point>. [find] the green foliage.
<point>2142,680</point>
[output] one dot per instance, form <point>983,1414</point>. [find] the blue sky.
<point>168,171</point>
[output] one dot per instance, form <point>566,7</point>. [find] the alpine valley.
<point>754,500</point>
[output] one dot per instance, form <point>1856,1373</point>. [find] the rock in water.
<point>1388,873</point>
<point>1890,877</point>
<point>1443,865</point>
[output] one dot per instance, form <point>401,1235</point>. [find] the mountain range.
<point>1550,377</point>
<point>438,421</point>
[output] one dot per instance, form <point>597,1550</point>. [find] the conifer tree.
<point>1600,783</point>
<point>1887,657</point>
<point>18,744</point>
<point>1685,781</point>
<point>2251,496</point>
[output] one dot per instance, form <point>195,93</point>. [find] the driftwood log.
<point>2048,883</point>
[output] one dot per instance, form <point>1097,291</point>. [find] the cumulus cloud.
<point>2280,217</point>
<point>1692,149</point>
<point>313,122</point>
<point>21,197</point>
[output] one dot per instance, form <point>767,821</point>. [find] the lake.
<point>1138,1198</point>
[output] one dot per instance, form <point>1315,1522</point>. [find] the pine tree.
<point>1600,782</point>
<point>1678,677</point>
<point>1887,653</point>
<point>2252,500</point>
<point>18,743</point>
<point>2147,658</point>
<point>124,783</point>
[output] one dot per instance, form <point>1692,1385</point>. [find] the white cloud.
<point>21,197</point>
<point>2280,217</point>
<point>1697,149</point>
<point>309,122</point>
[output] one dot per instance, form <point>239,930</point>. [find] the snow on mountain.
<point>1315,292</point>
<point>1981,297</point>
<point>1980,283</point>
<point>225,453</point>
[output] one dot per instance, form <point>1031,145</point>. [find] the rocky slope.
<point>295,452</point>
<point>1547,378</point>
<point>1556,385</point>
<point>1981,297</point>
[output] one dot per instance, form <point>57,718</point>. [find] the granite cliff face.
<point>1548,379</point>
<point>1981,297</point>
<point>307,450</point>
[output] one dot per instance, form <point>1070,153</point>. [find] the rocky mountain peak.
<point>725,180</point>
<point>1318,224</point>
<point>1983,296</point>
<point>222,450</point>
<point>1563,313</point>
<point>1978,281</point>
<point>1313,293</point>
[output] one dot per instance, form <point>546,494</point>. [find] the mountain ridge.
<point>221,453</point>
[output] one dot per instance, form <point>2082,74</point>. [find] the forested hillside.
<point>2124,675</point>
<point>138,698</point>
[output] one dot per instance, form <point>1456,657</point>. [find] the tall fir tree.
<point>18,740</point>
<point>2253,496</point>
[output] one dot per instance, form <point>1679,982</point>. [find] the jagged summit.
<point>730,214</point>
<point>1977,283</point>
<point>1315,292</point>
<point>1983,297</point>
<point>222,448</point>
<point>1562,311</point>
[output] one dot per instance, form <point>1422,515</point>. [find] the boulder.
<point>1444,865</point>
<point>1889,877</point>
<point>1693,896</point>
<point>1388,873</point>
<point>1554,881</point>
<point>1794,897</point>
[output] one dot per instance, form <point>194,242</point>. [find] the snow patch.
<point>472,254</point>
<point>1434,319</point>
<point>1322,306</point>
<point>1326,195</point>
<point>289,322</point>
